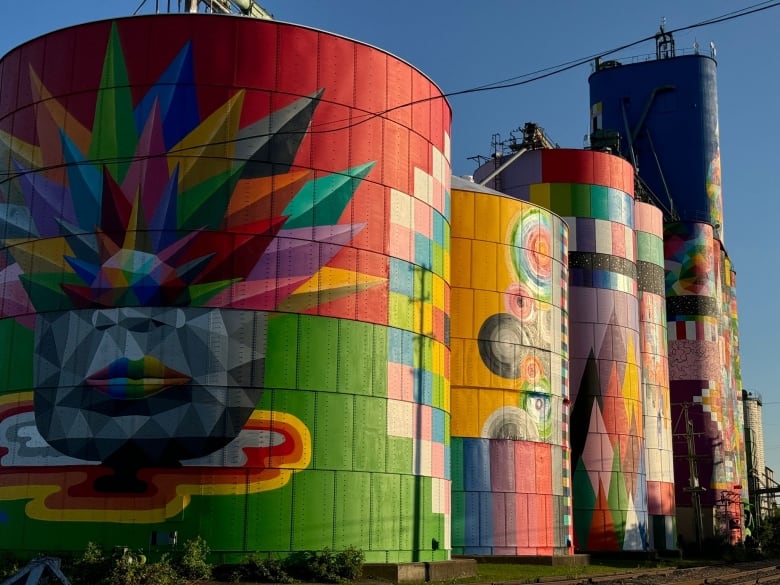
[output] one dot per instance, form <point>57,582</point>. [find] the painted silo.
<point>666,112</point>
<point>701,380</point>
<point>648,221</point>
<point>225,291</point>
<point>511,490</point>
<point>594,193</point>
<point>756,457</point>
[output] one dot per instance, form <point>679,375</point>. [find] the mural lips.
<point>127,379</point>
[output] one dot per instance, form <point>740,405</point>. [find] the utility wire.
<point>141,5</point>
<point>363,118</point>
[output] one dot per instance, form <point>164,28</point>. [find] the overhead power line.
<point>516,81</point>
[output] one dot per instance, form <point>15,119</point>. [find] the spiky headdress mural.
<point>157,206</point>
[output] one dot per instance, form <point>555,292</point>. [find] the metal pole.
<point>693,480</point>
<point>502,166</point>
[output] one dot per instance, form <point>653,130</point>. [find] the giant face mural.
<point>142,387</point>
<point>144,266</point>
<point>224,291</point>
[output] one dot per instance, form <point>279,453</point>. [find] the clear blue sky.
<point>464,44</point>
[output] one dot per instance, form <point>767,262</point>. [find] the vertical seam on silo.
<point>334,509</point>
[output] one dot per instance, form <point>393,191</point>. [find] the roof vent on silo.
<point>245,7</point>
<point>664,43</point>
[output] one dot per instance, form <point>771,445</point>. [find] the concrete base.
<point>577,560</point>
<point>420,572</point>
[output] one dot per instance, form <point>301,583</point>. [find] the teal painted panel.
<point>318,353</point>
<point>379,374</point>
<point>456,463</point>
<point>599,202</point>
<point>370,438</point>
<point>649,248</point>
<point>353,510</point>
<point>458,503</point>
<point>334,431</point>
<point>400,453</point>
<point>313,511</point>
<point>385,511</point>
<point>281,355</point>
<point>355,357</point>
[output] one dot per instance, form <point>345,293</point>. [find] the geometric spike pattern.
<point>608,454</point>
<point>133,254</point>
<point>690,261</point>
<point>148,231</point>
<point>122,253</point>
<point>206,259</point>
<point>510,487</point>
<point>592,191</point>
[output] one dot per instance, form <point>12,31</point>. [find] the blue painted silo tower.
<point>665,111</point>
<point>662,115</point>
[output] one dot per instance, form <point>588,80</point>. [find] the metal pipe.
<point>628,135</point>
<point>502,166</point>
<point>646,110</point>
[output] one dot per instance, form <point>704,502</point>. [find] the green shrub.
<point>193,563</point>
<point>326,566</point>
<point>9,566</point>
<point>91,567</point>
<point>125,567</point>
<point>349,563</point>
<point>126,570</point>
<point>264,570</point>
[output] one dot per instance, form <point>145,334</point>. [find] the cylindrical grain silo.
<point>662,115</point>
<point>511,491</point>
<point>756,457</point>
<point>666,114</point>
<point>594,193</point>
<point>225,292</point>
<point>701,396</point>
<point>648,221</point>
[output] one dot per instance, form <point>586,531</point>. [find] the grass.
<point>498,572</point>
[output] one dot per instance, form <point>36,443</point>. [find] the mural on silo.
<point>511,488</point>
<point>209,315</point>
<point>655,376</point>
<point>681,164</point>
<point>594,193</point>
<point>700,378</point>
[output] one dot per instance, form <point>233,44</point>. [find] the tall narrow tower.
<point>662,115</point>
